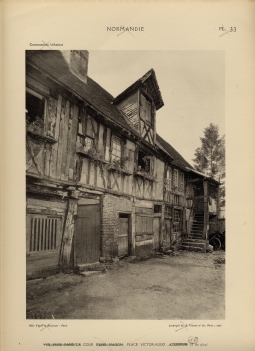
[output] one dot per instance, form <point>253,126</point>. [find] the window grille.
<point>43,234</point>
<point>177,222</point>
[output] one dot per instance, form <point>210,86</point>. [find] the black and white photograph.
<point>127,175</point>
<point>117,217</point>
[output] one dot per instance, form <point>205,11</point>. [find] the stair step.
<point>192,248</point>
<point>195,240</point>
<point>194,244</point>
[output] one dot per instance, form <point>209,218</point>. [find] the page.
<point>171,38</point>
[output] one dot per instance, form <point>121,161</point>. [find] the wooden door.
<point>87,235</point>
<point>123,237</point>
<point>168,232</point>
<point>156,233</point>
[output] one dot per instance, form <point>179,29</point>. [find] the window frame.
<point>82,132</point>
<point>181,183</point>
<point>168,179</point>
<point>177,221</point>
<point>175,183</point>
<point>44,114</point>
<point>149,161</point>
<point>168,211</point>
<point>117,158</point>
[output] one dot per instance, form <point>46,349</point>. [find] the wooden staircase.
<point>195,242</point>
<point>197,226</point>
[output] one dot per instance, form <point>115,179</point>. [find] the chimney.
<point>78,62</point>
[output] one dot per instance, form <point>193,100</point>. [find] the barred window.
<point>43,234</point>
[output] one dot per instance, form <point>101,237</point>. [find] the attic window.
<point>144,162</point>
<point>35,107</point>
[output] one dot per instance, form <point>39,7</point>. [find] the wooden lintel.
<point>195,180</point>
<point>194,197</point>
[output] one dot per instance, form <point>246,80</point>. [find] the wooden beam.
<point>206,210</point>
<point>195,180</point>
<point>194,197</point>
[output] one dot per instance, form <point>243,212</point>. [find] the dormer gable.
<point>139,102</point>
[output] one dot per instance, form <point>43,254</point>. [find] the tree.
<point>210,157</point>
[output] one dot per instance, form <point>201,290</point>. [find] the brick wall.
<point>111,207</point>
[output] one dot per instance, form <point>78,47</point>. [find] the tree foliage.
<point>210,156</point>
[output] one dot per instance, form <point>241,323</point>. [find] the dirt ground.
<point>188,285</point>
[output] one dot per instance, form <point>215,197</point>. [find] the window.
<point>86,131</point>
<point>144,162</point>
<point>177,221</point>
<point>157,208</point>
<point>145,109</point>
<point>168,211</point>
<point>43,234</point>
<point>169,178</point>
<point>35,107</point>
<point>176,200</point>
<point>175,179</point>
<point>116,148</point>
<point>181,181</point>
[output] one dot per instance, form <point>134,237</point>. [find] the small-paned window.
<point>168,211</point>
<point>177,221</point>
<point>181,181</point>
<point>35,107</point>
<point>169,178</point>
<point>116,148</point>
<point>176,199</point>
<point>175,176</point>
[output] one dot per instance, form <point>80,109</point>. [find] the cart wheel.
<point>215,242</point>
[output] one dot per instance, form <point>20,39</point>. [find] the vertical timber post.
<point>206,210</point>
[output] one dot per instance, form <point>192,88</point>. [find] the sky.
<point>192,85</point>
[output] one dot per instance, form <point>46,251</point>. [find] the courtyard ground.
<point>186,285</point>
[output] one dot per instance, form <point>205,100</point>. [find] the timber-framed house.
<point>100,182</point>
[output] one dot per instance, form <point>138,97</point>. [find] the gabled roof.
<point>178,161</point>
<point>149,80</point>
<point>53,64</point>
